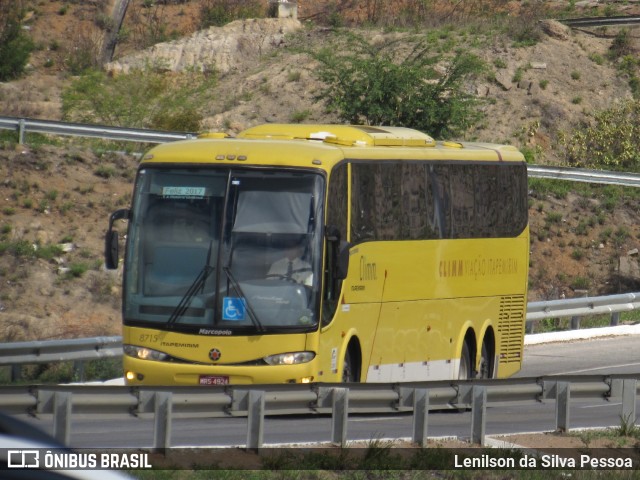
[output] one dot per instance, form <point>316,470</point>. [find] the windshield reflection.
<point>230,249</point>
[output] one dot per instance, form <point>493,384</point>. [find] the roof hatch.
<point>346,135</point>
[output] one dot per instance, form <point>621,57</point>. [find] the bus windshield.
<point>224,250</point>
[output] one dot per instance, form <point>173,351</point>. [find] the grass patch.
<point>591,321</point>
<point>77,270</point>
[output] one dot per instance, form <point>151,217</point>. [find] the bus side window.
<point>440,217</point>
<point>336,216</point>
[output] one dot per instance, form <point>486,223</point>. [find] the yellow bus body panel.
<point>408,303</point>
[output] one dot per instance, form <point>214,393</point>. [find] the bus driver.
<point>293,266</point>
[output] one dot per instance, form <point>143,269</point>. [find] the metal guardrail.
<point>49,351</point>
<point>584,175</point>
<point>24,125</point>
<point>339,400</point>
<point>601,21</point>
<point>84,349</point>
<point>580,307</point>
<point>78,350</point>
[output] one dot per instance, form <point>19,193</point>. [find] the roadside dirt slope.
<point>61,195</point>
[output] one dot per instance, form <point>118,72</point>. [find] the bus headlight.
<point>144,353</point>
<point>291,358</point>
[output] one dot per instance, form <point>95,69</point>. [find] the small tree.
<point>15,46</point>
<point>378,85</point>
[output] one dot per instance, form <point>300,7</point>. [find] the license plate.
<point>214,380</point>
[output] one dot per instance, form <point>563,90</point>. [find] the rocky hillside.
<point>56,197</point>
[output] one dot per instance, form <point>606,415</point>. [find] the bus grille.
<point>511,320</point>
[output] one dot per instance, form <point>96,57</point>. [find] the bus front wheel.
<point>350,368</point>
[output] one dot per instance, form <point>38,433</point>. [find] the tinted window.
<point>415,200</point>
<point>337,200</point>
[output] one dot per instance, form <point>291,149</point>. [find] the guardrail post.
<point>528,327</point>
<point>629,401</point>
<point>162,420</point>
<point>21,131</point>
<point>575,323</point>
<point>478,413</point>
<point>78,370</point>
<point>615,319</point>
<point>62,417</point>
<point>420,416</point>
<point>255,420</point>
<point>16,372</point>
<point>340,416</point>
<point>563,397</point>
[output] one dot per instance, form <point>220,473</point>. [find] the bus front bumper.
<point>144,372</point>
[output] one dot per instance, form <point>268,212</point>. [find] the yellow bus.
<point>323,253</point>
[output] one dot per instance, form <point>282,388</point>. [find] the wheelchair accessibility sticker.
<point>233,308</point>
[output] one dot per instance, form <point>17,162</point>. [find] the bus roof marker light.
<point>316,162</point>
<point>319,135</point>
<point>212,135</point>
<point>242,158</point>
<point>148,156</point>
<point>220,157</point>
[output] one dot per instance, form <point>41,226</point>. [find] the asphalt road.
<point>596,356</point>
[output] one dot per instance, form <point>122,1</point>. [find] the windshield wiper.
<point>197,284</point>
<point>236,286</point>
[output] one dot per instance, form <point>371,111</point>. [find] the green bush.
<point>376,85</point>
<point>216,13</point>
<point>15,45</point>
<point>611,140</point>
<point>621,45</point>
<point>145,98</point>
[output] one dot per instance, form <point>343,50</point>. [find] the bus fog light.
<point>306,380</point>
<point>130,376</point>
<point>291,358</point>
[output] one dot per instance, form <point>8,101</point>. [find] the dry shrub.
<point>148,24</point>
<point>220,12</point>
<point>407,13</point>
<point>86,50</point>
<point>74,324</point>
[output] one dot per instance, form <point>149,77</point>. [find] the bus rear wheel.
<point>486,363</point>
<point>464,373</point>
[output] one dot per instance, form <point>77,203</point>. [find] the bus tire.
<point>350,366</point>
<point>486,362</point>
<point>464,373</point>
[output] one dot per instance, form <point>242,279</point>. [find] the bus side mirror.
<point>342,263</point>
<point>111,251</point>
<point>339,252</point>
